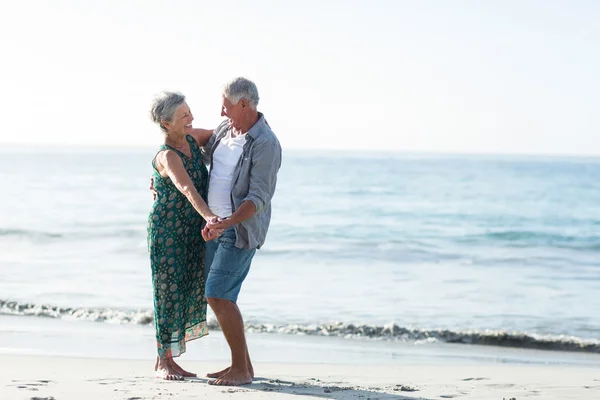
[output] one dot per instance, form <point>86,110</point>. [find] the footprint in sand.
<point>451,396</point>
<point>33,386</point>
<point>234,391</point>
<point>501,385</point>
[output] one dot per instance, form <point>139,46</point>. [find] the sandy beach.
<point>61,378</point>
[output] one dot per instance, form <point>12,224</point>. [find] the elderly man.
<point>244,155</point>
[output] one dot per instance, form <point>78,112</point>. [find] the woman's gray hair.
<point>164,106</point>
<point>241,88</point>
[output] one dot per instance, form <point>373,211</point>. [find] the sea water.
<point>414,248</point>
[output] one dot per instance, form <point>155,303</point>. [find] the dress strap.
<point>182,155</point>
<point>194,147</point>
<point>161,148</point>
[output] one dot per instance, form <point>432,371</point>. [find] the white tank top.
<point>225,158</point>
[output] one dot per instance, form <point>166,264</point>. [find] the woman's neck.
<point>176,140</point>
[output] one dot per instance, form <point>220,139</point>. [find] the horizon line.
<point>55,146</point>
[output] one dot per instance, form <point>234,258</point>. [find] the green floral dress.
<point>176,251</point>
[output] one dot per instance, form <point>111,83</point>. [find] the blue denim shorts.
<point>226,266</point>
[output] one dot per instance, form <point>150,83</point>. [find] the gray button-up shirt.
<point>254,179</point>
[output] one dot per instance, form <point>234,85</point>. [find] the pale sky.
<point>497,76</point>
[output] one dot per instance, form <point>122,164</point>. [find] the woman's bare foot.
<point>182,371</point>
<point>233,377</point>
<point>164,370</point>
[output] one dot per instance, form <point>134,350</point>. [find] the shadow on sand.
<point>327,390</point>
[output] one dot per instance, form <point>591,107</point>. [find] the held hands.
<point>219,223</point>
<point>215,226</point>
<point>212,219</point>
<point>209,232</point>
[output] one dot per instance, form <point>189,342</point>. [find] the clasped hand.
<point>214,228</point>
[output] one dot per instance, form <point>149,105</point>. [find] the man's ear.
<point>244,103</point>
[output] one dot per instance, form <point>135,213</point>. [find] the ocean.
<point>386,248</point>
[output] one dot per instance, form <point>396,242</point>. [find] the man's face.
<point>232,111</point>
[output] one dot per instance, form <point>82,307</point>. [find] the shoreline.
<point>86,339</point>
<point>70,378</point>
<point>391,332</point>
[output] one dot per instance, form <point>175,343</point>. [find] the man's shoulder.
<point>220,130</point>
<point>267,136</point>
<point>222,127</point>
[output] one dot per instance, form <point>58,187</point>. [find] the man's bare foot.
<point>218,374</point>
<point>164,370</point>
<point>233,377</point>
<point>226,370</point>
<point>182,371</point>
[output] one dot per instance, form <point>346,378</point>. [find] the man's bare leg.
<point>224,371</point>
<point>165,370</point>
<point>229,317</point>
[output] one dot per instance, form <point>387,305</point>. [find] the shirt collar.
<point>256,130</point>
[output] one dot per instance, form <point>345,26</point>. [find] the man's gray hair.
<point>164,106</point>
<point>241,88</point>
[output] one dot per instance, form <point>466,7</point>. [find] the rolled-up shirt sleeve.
<point>266,162</point>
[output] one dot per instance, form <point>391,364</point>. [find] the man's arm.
<point>202,136</point>
<point>263,174</point>
<point>244,211</point>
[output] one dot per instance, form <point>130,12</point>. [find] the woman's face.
<point>181,122</point>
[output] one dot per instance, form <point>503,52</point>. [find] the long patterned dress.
<point>176,251</point>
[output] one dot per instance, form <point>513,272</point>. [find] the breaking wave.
<point>337,329</point>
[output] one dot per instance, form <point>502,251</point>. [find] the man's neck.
<point>249,122</point>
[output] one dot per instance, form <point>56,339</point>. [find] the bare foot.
<point>182,371</point>
<point>226,370</point>
<point>164,370</point>
<point>218,374</point>
<point>233,377</point>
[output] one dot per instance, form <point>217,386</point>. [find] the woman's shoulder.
<point>166,156</point>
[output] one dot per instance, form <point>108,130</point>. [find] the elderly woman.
<point>175,236</point>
